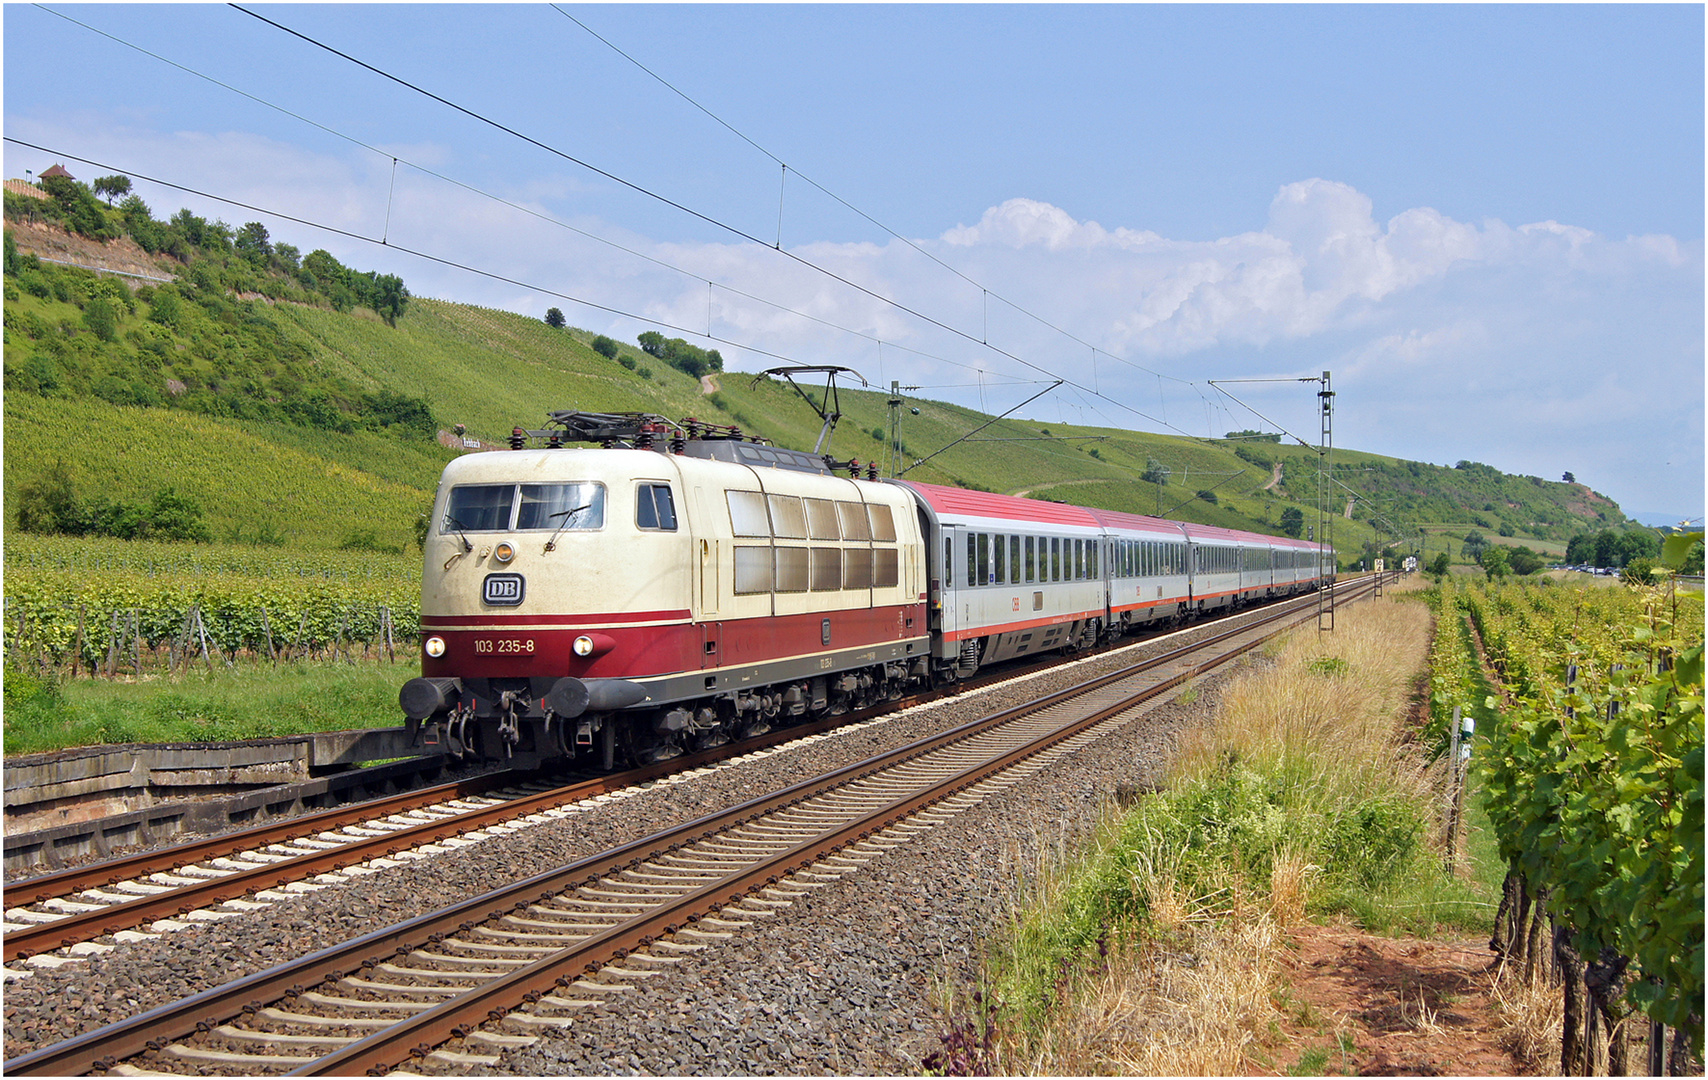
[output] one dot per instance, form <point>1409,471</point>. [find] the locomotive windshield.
<point>502,507</point>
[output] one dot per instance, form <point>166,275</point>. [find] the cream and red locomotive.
<point>680,586</point>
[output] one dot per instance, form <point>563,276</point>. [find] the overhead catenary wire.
<point>851,207</point>
<point>707,218</point>
<point>530,211</point>
<point>423,255</point>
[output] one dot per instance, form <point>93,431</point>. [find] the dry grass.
<point>1203,993</point>
<point>1530,1013</point>
<point>1342,691</point>
<point>1198,1007</point>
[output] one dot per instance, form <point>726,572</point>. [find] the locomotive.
<point>678,586</point>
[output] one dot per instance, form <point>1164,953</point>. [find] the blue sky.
<point>1487,222</point>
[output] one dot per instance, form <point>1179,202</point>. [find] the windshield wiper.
<point>568,516</point>
<point>451,520</point>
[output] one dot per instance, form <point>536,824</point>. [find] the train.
<point>676,586</point>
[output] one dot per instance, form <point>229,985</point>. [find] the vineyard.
<point>89,608</point>
<point>1593,779</point>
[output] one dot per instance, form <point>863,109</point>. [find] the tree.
<point>1494,561</point>
<point>1293,521</point>
<point>1208,496</point>
<point>1606,548</point>
<point>554,318</point>
<point>1474,545</point>
<point>111,186</point>
<point>605,347</point>
<point>1569,478</point>
<point>1639,571</point>
<point>101,319</point>
<point>1438,565</point>
<point>1524,561</point>
<point>390,298</point>
<point>1156,473</point>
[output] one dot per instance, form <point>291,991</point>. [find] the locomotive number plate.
<point>504,646</point>
<point>502,590</point>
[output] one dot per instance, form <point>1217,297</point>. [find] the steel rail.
<point>415,1036</point>
<point>203,1011</point>
<point>72,929</point>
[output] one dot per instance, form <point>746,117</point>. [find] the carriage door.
<point>955,593</point>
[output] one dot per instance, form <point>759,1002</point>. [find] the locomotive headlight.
<point>583,646</point>
<point>504,553</point>
<point>435,647</point>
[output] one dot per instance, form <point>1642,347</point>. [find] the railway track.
<point>218,876</point>
<point>491,972</point>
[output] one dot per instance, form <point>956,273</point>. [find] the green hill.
<point>294,413</point>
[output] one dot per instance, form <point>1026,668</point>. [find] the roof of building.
<point>57,170</point>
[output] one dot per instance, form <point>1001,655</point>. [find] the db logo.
<point>502,590</point>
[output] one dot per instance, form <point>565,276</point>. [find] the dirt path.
<point>1275,478</point>
<point>1377,1006</point>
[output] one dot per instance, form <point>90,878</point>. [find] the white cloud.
<point>1536,347</point>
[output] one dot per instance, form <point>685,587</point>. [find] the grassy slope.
<point>493,370</point>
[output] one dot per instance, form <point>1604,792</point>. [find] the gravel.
<point>848,980</point>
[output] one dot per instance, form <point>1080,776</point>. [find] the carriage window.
<point>1000,566</point>
<point>1092,548</point>
<point>883,522</point>
<point>886,568</point>
<point>821,520</point>
<point>1014,559</point>
<point>1031,559</point>
<point>948,563</point>
<point>981,549</point>
<point>654,508</point>
<point>792,569</point>
<point>787,517</point>
<point>1055,558</point>
<point>747,514</point>
<point>854,523</point>
<point>826,569</point>
<point>479,508</point>
<point>565,506</point>
<point>752,569</point>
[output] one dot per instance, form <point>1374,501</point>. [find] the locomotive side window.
<point>752,569</point>
<point>826,569</point>
<point>747,515</point>
<point>654,508</point>
<point>857,568</point>
<point>854,523</point>
<point>886,568</point>
<point>479,508</point>
<point>792,573</point>
<point>788,519</point>
<point>821,520</point>
<point>883,522</point>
